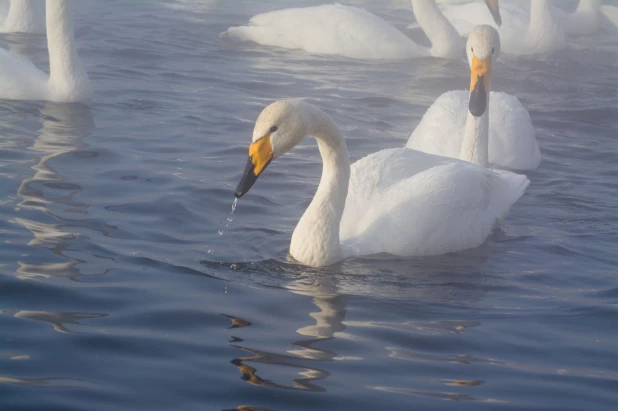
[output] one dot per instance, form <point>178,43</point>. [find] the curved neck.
<point>445,41</point>
<point>24,16</point>
<point>544,33</point>
<point>315,241</point>
<point>66,73</point>
<point>475,144</point>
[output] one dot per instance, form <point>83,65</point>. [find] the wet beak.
<point>260,156</point>
<point>494,9</point>
<point>480,73</point>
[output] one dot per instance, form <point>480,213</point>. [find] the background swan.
<point>67,80</point>
<point>589,17</point>
<point>398,201</point>
<point>511,138</point>
<point>528,27</point>
<point>24,16</point>
<point>353,32</point>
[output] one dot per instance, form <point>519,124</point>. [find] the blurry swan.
<point>511,136</point>
<point>528,29</point>
<point>396,201</point>
<point>589,17</point>
<point>67,80</point>
<point>355,33</point>
<point>24,16</point>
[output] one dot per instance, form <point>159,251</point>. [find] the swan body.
<point>352,32</point>
<point>67,81</point>
<point>329,29</point>
<point>512,139</point>
<point>24,16</point>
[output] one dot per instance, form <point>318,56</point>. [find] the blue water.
<point>118,293</point>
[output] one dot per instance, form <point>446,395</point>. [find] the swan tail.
<point>508,188</point>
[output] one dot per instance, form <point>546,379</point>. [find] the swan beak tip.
<point>260,156</point>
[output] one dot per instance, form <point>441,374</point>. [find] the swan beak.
<point>480,72</point>
<point>494,9</point>
<point>260,156</point>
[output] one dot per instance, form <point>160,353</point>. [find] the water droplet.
<point>230,218</point>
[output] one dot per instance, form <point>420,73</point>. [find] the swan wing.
<point>512,139</point>
<point>20,79</point>
<point>409,203</point>
<point>329,29</point>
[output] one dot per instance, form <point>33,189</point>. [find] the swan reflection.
<point>57,320</point>
<point>64,128</point>
<point>327,321</point>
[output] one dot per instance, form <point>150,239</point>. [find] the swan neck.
<point>588,5</point>
<point>23,16</point>
<point>445,40</point>
<point>67,75</point>
<point>540,14</point>
<point>475,145</point>
<point>315,241</point>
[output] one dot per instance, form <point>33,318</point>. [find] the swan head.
<point>494,9</point>
<point>482,48</point>
<point>279,128</point>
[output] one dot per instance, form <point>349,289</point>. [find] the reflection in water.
<point>65,126</point>
<point>44,382</point>
<point>56,320</point>
<point>328,321</point>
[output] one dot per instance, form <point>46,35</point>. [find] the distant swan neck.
<point>475,145</point>
<point>315,241</point>
<point>67,75</point>
<point>22,16</point>
<point>588,6</point>
<point>445,40</point>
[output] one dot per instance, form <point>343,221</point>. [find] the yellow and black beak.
<point>494,9</point>
<point>260,156</point>
<point>480,72</point>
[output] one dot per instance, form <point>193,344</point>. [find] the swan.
<point>525,31</point>
<point>511,137</point>
<point>67,80</point>
<point>588,18</point>
<point>352,32</point>
<point>24,16</point>
<point>398,201</point>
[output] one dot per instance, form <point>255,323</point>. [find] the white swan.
<point>398,201</point>
<point>352,32</point>
<point>67,80</point>
<point>511,137</point>
<point>589,17</point>
<point>535,29</point>
<point>24,16</point>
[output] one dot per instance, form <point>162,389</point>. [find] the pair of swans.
<point>24,16</point>
<point>356,33</point>
<point>67,80</point>
<point>398,201</point>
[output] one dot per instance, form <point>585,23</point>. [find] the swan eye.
<point>272,129</point>
<point>492,50</point>
<point>472,49</point>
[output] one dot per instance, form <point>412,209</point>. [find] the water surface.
<point>117,291</point>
